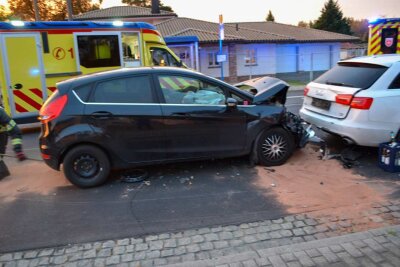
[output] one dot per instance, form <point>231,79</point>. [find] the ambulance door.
<point>24,74</point>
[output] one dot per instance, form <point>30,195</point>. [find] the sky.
<point>284,11</point>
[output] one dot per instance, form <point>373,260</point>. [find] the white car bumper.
<point>355,127</point>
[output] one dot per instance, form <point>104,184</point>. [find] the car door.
<point>197,122</point>
<point>386,99</point>
<point>126,113</point>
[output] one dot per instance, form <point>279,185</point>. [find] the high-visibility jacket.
<point>8,125</point>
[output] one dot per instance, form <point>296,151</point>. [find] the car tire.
<point>86,166</point>
<point>274,147</point>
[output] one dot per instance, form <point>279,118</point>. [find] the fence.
<point>296,68</point>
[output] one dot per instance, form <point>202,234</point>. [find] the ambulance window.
<point>132,90</point>
<point>98,51</point>
<point>83,92</point>
<point>162,57</point>
<point>130,46</point>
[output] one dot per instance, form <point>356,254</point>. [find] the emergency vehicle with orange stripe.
<point>384,36</point>
<point>34,56</point>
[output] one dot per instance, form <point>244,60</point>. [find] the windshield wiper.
<point>339,84</point>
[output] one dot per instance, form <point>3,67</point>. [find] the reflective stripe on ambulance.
<point>31,100</point>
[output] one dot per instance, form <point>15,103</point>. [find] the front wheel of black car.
<point>274,147</point>
<point>86,166</point>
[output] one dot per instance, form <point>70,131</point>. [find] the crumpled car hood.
<point>266,88</point>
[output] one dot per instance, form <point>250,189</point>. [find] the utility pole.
<point>69,8</point>
<point>221,38</point>
<point>35,5</point>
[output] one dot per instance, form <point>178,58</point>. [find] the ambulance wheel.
<point>86,166</point>
<point>274,147</point>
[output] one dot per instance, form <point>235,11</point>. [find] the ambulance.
<point>384,36</point>
<point>34,56</point>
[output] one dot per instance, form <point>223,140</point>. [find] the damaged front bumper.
<point>302,131</point>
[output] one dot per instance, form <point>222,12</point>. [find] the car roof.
<point>124,71</point>
<point>93,77</point>
<point>383,60</point>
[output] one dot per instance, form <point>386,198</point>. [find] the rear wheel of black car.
<point>274,147</point>
<point>86,166</point>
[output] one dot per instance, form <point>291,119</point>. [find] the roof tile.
<point>248,31</point>
<point>121,12</point>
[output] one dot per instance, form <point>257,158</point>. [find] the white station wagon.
<point>359,100</point>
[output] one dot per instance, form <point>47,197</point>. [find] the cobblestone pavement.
<point>298,240</point>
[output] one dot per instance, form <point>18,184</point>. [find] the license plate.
<point>320,103</point>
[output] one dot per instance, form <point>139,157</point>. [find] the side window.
<point>83,92</point>
<point>186,90</point>
<point>162,57</point>
<point>98,51</point>
<point>241,100</point>
<point>396,83</point>
<point>135,89</point>
<point>212,60</point>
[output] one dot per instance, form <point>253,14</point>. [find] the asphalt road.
<point>174,197</point>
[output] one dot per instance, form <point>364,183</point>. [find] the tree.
<point>146,3</point>
<point>3,14</point>
<point>48,9</point>
<point>303,24</point>
<point>331,19</point>
<point>78,7</point>
<point>360,28</point>
<point>270,17</point>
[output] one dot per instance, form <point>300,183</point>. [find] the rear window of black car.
<point>357,75</point>
<point>83,92</point>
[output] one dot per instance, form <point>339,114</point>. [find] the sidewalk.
<point>297,240</point>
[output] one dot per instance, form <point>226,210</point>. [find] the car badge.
<point>320,92</point>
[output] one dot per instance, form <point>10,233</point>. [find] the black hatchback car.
<point>133,117</point>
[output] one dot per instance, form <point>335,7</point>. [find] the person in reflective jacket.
<point>8,127</point>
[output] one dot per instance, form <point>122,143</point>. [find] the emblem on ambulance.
<point>59,53</point>
<point>388,42</point>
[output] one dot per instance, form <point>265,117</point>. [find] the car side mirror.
<point>231,102</point>
<point>179,63</point>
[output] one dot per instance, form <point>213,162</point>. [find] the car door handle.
<point>181,114</point>
<point>101,115</point>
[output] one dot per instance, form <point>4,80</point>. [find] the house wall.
<point>293,61</point>
<point>203,58</point>
<point>286,58</point>
<point>318,57</point>
<point>265,54</point>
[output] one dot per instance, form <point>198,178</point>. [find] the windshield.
<point>357,75</point>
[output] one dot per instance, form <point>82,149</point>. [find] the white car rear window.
<point>357,75</point>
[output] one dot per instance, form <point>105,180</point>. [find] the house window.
<point>251,57</point>
<point>212,60</point>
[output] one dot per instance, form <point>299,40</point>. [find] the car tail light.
<point>45,156</point>
<point>344,99</point>
<point>361,102</point>
<point>306,91</point>
<point>52,108</point>
<point>354,102</point>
